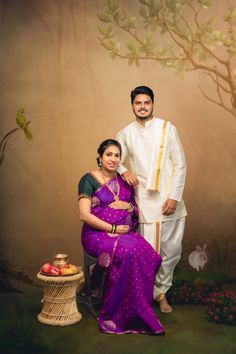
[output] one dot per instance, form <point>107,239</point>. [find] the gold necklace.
<point>116,195</point>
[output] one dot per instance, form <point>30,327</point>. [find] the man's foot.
<point>164,305</point>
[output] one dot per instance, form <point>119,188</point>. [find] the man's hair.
<point>141,90</point>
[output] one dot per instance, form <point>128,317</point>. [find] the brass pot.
<point>60,259</point>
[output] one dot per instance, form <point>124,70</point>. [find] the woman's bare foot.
<point>164,306</point>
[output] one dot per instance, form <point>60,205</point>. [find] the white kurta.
<point>137,143</point>
<point>140,144</point>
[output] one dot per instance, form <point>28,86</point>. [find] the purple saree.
<point>131,264</point>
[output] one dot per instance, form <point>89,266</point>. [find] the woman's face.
<point>110,158</point>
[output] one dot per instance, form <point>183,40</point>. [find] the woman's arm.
<point>87,217</point>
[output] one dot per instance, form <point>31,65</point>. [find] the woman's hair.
<point>104,145</point>
<point>141,90</point>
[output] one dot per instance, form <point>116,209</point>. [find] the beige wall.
<point>76,96</point>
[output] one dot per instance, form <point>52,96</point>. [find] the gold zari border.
<point>160,154</point>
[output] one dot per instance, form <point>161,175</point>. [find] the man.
<point>158,170</point>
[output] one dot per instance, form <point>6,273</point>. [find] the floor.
<point>187,331</point>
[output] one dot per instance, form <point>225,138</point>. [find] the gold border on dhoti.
<point>158,237</point>
<point>160,154</point>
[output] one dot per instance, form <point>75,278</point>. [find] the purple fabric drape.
<point>131,264</point>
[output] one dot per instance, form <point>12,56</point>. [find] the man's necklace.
<point>116,195</point>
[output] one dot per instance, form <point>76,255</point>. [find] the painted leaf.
<point>104,17</point>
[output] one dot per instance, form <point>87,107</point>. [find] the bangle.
<point>132,208</point>
<point>113,229</point>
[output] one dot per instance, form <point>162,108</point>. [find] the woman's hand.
<point>119,204</point>
<point>122,229</point>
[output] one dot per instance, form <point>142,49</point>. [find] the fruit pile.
<point>66,269</point>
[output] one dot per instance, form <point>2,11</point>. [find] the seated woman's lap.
<point>126,244</point>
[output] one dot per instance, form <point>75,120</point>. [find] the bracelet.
<point>113,229</point>
<point>132,208</point>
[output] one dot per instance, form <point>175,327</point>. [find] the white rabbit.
<point>198,258</point>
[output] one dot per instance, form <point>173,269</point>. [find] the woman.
<point>109,213</point>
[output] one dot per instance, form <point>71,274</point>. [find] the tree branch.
<point>215,81</point>
<point>218,103</point>
<point>190,49</point>
<point>196,13</point>
<point>155,56</point>
<point>194,63</point>
<point>6,138</point>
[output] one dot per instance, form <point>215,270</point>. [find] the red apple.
<point>49,268</point>
<point>54,270</point>
<point>46,267</point>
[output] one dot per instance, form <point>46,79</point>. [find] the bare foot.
<point>164,306</point>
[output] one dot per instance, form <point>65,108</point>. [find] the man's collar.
<point>147,123</point>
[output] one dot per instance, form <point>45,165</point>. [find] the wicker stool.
<point>59,301</point>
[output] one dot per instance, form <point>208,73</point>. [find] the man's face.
<point>143,106</point>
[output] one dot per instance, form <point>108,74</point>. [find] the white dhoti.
<point>166,238</point>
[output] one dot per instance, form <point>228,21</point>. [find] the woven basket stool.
<point>59,300</point>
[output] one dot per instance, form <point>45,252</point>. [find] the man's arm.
<point>179,166</point>
<point>179,173</point>
<point>121,138</point>
<point>128,176</point>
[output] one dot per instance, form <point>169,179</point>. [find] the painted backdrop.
<point>75,96</point>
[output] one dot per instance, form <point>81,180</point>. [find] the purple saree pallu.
<point>131,265</point>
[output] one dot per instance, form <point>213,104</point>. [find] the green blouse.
<point>87,186</point>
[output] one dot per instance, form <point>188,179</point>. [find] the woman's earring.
<point>100,163</point>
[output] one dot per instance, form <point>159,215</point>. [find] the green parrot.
<point>23,124</point>
<point>28,133</point>
<point>20,118</point>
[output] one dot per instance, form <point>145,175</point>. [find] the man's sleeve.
<point>122,140</point>
<point>179,166</point>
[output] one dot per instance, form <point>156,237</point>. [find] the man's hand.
<point>130,178</point>
<point>169,207</point>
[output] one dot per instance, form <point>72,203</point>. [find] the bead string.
<point>116,195</point>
